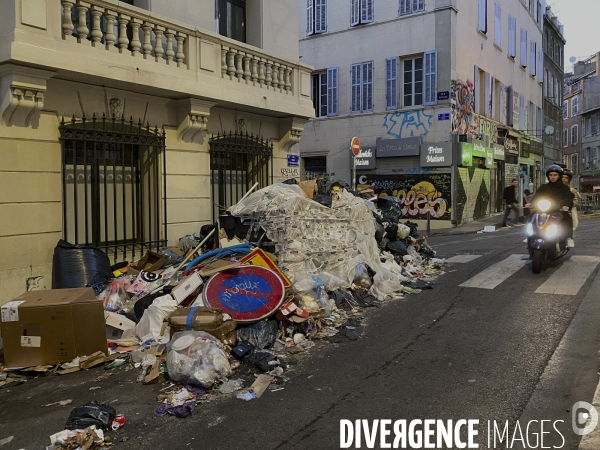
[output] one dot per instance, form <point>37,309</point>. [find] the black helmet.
<point>554,168</point>
<point>568,173</point>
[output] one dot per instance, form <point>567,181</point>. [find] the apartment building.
<point>128,124</point>
<point>576,86</point>
<point>445,96</point>
<point>553,45</point>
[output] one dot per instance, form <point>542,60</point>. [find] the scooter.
<point>546,235</point>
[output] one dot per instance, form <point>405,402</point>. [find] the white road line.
<point>570,276</point>
<point>463,258</point>
<point>497,273</point>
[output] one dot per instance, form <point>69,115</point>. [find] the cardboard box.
<point>151,262</point>
<point>116,325</point>
<point>186,287</point>
<point>216,266</point>
<point>51,327</point>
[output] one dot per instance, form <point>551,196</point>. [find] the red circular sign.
<point>247,293</point>
<point>355,146</point>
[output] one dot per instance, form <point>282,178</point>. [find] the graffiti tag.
<point>289,172</point>
<point>401,124</point>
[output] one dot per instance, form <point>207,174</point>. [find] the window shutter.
<point>476,90</point>
<point>535,10</point>
<point>367,86</point>
<point>421,6</point>
<point>355,88</point>
<point>540,73</point>
<point>366,11</point>
<point>486,90</point>
<point>320,16</point>
<point>533,125</point>
<point>430,77</point>
<point>332,91</point>
<point>483,16</point>
<point>542,12</point>
<point>502,104</point>
<point>521,112</point>
<point>566,109</point>
<point>565,137</point>
<point>532,56</point>
<point>310,17</point>
<point>391,83</point>
<point>523,47</point>
<point>498,24</point>
<point>512,36</point>
<point>404,7</point>
<point>574,135</point>
<point>354,12</point>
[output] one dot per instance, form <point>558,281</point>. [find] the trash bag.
<point>197,358</point>
<point>413,228</point>
<point>76,266</point>
<point>403,231</point>
<point>323,199</point>
<point>397,248</point>
<point>115,297</point>
<point>290,181</point>
<point>260,334</point>
<point>391,232</point>
<point>379,232</point>
<point>92,413</point>
<point>427,251</point>
<point>361,276</point>
<point>264,361</point>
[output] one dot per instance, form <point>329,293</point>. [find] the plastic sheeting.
<point>314,240</point>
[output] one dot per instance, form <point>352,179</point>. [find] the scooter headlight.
<point>529,229</point>
<point>551,231</point>
<point>544,205</point>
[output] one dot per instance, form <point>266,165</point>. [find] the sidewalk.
<point>471,227</point>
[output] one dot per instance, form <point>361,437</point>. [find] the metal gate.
<point>112,187</point>
<point>237,161</point>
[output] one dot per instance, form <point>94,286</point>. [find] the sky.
<point>580,18</point>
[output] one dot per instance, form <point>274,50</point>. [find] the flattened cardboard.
<point>68,322</point>
<point>151,262</point>
<point>116,324</point>
<point>217,266</point>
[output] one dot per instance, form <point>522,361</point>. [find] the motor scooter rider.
<point>560,195</point>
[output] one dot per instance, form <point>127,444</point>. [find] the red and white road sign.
<point>355,146</point>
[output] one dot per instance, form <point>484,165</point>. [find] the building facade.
<point>554,46</point>
<point>127,125</point>
<point>444,95</point>
<point>575,86</point>
<point>589,179</point>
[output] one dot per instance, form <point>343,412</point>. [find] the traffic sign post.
<point>355,148</point>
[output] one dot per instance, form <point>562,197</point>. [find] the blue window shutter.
<point>320,16</point>
<point>355,81</point>
<point>367,87</point>
<point>332,91</point>
<point>391,87</point>
<point>430,78</point>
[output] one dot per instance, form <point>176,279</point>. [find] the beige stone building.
<point>410,77</point>
<point>142,87</point>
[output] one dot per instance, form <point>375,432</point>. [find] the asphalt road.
<point>503,354</point>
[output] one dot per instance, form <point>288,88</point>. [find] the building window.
<point>361,11</point>
<point>575,163</point>
<point>361,87</point>
<point>498,24</point>
<point>482,19</point>
<point>566,109</point>
<point>316,16</point>
<point>512,36</point>
<point>574,134</point>
<point>391,83</point>
<point>565,137</point>
<point>574,106</point>
<point>413,81</point>
<point>411,7</point>
<point>523,48</point>
<point>232,19</point>
<point>325,93</point>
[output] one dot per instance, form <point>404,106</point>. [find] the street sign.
<point>444,116</point>
<point>293,160</point>
<point>247,293</point>
<point>443,95</point>
<point>355,146</point>
<point>258,257</point>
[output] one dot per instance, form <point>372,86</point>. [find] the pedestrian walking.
<point>510,200</point>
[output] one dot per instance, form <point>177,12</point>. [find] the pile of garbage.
<point>282,272</point>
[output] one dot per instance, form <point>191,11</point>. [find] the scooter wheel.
<point>536,264</point>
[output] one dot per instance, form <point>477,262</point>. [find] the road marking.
<point>463,258</point>
<point>497,273</point>
<point>570,276</point>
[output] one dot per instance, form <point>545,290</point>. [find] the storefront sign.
<point>594,181</point>
<point>537,148</point>
<point>525,149</point>
<point>511,146</point>
<point>466,152</point>
<point>436,155</point>
<point>388,148</point>
<point>293,160</point>
<point>479,148</point>
<point>498,152</point>
<point>489,158</point>
<point>366,158</point>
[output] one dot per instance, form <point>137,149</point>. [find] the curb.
<point>588,216</point>
<point>592,441</point>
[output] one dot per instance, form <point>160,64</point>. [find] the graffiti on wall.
<point>473,194</point>
<point>463,106</point>
<point>402,124</point>
<point>417,193</point>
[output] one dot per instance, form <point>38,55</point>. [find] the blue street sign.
<point>293,160</point>
<point>444,116</point>
<point>247,294</point>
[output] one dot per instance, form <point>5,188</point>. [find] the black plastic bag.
<point>323,199</point>
<point>92,413</point>
<point>260,334</point>
<point>76,266</point>
<point>397,248</point>
<point>261,360</point>
<point>413,228</point>
<point>290,181</point>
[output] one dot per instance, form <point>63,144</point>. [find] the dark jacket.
<point>558,193</point>
<point>510,195</point>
